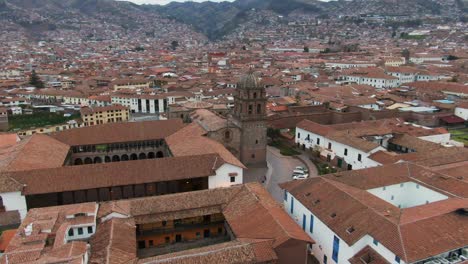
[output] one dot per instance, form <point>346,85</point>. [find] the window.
<point>318,141</point>
<point>254,95</point>
<point>311,227</point>
<point>151,243</point>
<point>376,242</point>
<point>304,222</point>
<point>250,109</point>
<point>292,205</point>
<point>198,235</point>
<point>329,145</point>
<point>167,240</point>
<point>232,179</point>
<point>164,223</point>
<point>90,229</point>
<point>336,248</point>
<point>141,244</point>
<point>227,135</point>
<point>259,108</point>
<point>220,230</point>
<point>325,258</point>
<point>298,135</point>
<point>253,156</point>
<point>346,152</point>
<point>397,259</point>
<point>80,230</point>
<point>359,157</point>
<point>285,195</point>
<point>71,232</point>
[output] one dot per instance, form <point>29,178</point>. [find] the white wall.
<point>222,178</point>
<point>15,201</point>
<point>338,149</point>
<point>85,234</point>
<point>462,113</point>
<point>439,139</point>
<point>407,194</point>
<point>323,236</point>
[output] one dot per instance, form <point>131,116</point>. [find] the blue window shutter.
<point>292,204</point>
<point>397,259</point>
<point>311,227</point>
<point>336,248</point>
<point>304,222</point>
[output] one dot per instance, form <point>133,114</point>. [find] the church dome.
<point>250,80</point>
<point>198,105</point>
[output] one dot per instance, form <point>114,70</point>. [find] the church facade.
<point>250,115</point>
<point>244,131</point>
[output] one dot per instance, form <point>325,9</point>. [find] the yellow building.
<point>131,84</point>
<point>102,115</point>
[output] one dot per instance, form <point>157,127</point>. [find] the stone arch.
<point>125,157</point>
<point>160,154</point>
<point>97,160</point>
<point>142,156</point>
<point>78,162</point>
<point>88,160</point>
<point>151,155</point>
<point>133,156</point>
<point>107,159</point>
<point>115,158</point>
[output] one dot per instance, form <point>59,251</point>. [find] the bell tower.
<point>250,115</point>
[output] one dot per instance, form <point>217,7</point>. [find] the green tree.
<point>174,44</point>
<point>35,81</point>
<point>273,133</point>
<point>451,57</point>
<point>406,54</point>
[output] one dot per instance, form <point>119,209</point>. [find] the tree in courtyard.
<point>406,54</point>
<point>35,81</point>
<point>174,44</point>
<point>273,133</point>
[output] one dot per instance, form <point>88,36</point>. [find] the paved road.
<point>281,170</point>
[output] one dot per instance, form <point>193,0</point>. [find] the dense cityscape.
<point>251,131</point>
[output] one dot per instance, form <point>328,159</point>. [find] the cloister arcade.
<point>116,152</point>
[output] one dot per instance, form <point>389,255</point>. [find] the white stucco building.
<point>389,214</point>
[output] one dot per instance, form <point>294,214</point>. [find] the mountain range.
<point>212,19</point>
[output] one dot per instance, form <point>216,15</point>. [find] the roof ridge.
<point>354,198</point>
<point>269,212</point>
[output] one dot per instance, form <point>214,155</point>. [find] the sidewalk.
<point>304,157</point>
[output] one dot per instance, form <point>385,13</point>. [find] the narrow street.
<point>281,171</point>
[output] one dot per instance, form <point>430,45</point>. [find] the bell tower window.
<point>259,108</point>
<point>254,95</point>
<point>250,109</point>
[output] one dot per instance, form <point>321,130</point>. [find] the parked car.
<point>299,172</point>
<point>301,177</point>
<point>300,168</point>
